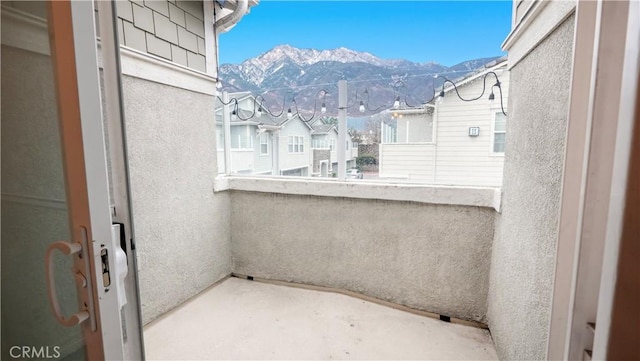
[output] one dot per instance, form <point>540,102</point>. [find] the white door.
<point>62,265</point>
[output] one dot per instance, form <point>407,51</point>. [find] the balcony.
<point>341,269</point>
<point>426,259</point>
<point>240,319</point>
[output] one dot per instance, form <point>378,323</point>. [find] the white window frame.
<point>319,143</point>
<point>220,138</point>
<point>295,144</point>
<point>265,137</point>
<point>332,145</point>
<point>492,151</point>
<point>249,137</point>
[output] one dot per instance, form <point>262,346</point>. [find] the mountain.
<point>308,71</point>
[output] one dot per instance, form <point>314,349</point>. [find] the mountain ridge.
<point>308,71</point>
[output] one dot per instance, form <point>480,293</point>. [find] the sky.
<point>447,32</point>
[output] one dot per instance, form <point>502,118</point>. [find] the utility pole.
<point>226,123</point>
<point>342,129</point>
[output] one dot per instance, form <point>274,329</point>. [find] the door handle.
<point>66,248</point>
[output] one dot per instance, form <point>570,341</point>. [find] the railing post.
<point>226,121</point>
<point>342,129</point>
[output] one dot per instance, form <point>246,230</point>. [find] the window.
<point>319,143</point>
<point>296,144</point>
<point>241,137</point>
<point>499,132</point>
<point>264,144</point>
<point>332,144</point>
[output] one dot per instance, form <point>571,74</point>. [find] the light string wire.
<point>397,84</point>
<point>484,88</point>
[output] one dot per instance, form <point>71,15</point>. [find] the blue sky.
<point>447,32</point>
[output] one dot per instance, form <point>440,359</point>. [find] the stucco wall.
<point>429,257</point>
<point>522,264</point>
<point>182,228</point>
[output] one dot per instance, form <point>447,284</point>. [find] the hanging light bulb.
<point>361,108</point>
<point>323,108</point>
<point>491,98</point>
<point>219,84</point>
<point>234,116</point>
<point>396,104</point>
<point>289,114</point>
<point>259,112</point>
<point>440,97</point>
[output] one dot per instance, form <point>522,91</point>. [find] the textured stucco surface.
<point>257,321</point>
<point>429,257</point>
<point>522,264</point>
<point>182,228</point>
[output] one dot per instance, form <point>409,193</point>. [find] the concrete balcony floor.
<point>240,319</point>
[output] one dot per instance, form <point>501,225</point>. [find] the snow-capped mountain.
<point>285,67</point>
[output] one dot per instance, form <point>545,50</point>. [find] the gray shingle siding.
<point>171,29</point>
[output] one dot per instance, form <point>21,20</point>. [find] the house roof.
<point>488,67</point>
<point>250,117</point>
<point>322,128</point>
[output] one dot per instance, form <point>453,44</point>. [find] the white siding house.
<point>265,144</point>
<point>294,148</point>
<point>325,136</point>
<point>452,142</point>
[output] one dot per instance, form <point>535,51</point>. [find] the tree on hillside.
<point>329,120</point>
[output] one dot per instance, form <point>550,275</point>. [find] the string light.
<point>315,106</point>
<point>484,86</point>
<point>396,103</point>
<point>260,109</point>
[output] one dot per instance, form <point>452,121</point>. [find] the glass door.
<point>62,266</point>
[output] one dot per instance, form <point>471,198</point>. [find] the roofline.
<point>269,127</point>
<point>294,117</point>
<point>476,76</point>
<point>411,110</point>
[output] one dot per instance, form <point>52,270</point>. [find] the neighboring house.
<point>352,151</point>
<point>265,144</point>
<point>452,142</point>
<point>294,147</point>
<point>325,138</point>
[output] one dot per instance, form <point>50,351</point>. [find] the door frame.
<point>121,207</point>
<point>598,144</point>
<point>77,84</point>
<point>616,335</point>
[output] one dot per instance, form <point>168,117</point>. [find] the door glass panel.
<point>34,209</point>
